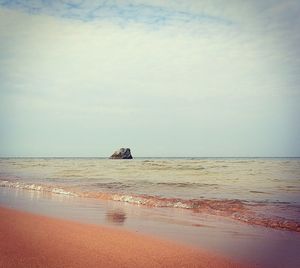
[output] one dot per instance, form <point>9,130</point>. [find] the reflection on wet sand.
<point>116,216</point>
<point>267,247</point>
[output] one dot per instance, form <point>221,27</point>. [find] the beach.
<point>29,240</point>
<point>149,212</point>
<point>149,134</point>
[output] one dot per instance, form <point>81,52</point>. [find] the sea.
<point>257,191</point>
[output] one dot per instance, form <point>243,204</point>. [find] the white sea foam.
<point>35,187</point>
<point>61,191</point>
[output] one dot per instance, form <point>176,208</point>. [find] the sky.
<point>166,78</point>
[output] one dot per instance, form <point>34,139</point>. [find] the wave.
<point>127,184</point>
<point>36,187</point>
<point>187,184</point>
<point>169,165</point>
<point>236,209</point>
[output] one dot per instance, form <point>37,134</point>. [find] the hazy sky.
<point>165,78</point>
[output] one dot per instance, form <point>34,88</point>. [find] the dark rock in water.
<point>123,153</point>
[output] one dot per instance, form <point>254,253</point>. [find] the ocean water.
<point>258,191</point>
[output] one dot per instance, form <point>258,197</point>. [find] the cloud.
<point>189,80</point>
<point>120,11</point>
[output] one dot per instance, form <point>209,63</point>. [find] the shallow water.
<point>261,191</point>
<point>245,243</point>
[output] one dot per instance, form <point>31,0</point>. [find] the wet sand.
<point>30,240</point>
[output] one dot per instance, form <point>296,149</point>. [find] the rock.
<point>123,153</point>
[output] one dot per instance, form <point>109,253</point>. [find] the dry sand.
<point>28,240</point>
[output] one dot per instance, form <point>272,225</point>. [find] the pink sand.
<point>28,240</point>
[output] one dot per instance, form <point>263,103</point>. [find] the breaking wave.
<point>236,209</point>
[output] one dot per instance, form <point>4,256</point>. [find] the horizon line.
<point>107,157</point>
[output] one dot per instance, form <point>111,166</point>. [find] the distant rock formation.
<point>123,153</point>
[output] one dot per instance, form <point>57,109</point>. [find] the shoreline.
<point>228,208</point>
<point>242,243</point>
<point>30,240</point>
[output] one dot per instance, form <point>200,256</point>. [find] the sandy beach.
<point>29,240</point>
